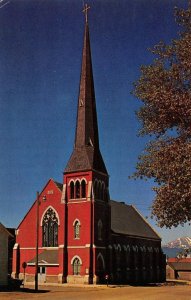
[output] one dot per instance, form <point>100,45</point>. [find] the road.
<point>163,292</point>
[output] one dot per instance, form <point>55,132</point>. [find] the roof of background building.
<point>3,228</point>
<point>180,266</point>
<point>125,219</point>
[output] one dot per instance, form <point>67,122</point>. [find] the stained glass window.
<point>50,229</point>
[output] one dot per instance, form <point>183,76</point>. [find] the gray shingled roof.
<point>180,266</point>
<point>59,185</point>
<point>48,257</point>
<point>125,219</point>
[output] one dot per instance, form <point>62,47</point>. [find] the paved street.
<point>180,292</point>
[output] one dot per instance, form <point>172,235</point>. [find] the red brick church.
<point>83,235</point>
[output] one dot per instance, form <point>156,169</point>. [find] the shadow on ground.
<point>23,290</point>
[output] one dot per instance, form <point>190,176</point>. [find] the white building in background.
<point>4,236</point>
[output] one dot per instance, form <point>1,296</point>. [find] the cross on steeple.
<point>85,11</point>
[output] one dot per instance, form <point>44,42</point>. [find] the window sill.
<point>78,198</point>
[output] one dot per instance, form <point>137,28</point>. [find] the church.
<point>75,232</point>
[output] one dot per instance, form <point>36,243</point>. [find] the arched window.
<point>76,266</point>
<point>99,190</point>
<point>50,229</point>
<point>72,190</point>
<point>77,189</point>
<point>83,189</point>
<point>77,229</point>
<point>100,264</point>
<point>100,227</point>
<point>103,191</point>
<point>95,189</point>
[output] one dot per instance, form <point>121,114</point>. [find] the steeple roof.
<point>86,154</point>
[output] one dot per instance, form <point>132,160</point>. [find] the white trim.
<point>103,261</point>
<point>16,245</point>
<point>77,179</point>
<point>135,248</point>
<point>128,248</point>
<point>119,247</point>
<point>63,197</point>
<point>74,257</point>
<point>115,246</point>
<point>71,180</point>
<point>76,220</point>
<point>41,248</point>
<point>103,184</point>
<point>76,247</point>
<point>99,247</point>
<point>89,190</point>
<point>57,215</point>
<point>42,264</point>
<point>83,178</point>
<point>75,202</point>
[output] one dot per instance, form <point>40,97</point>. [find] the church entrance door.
<point>41,274</point>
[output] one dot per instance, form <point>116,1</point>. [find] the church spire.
<point>86,154</point>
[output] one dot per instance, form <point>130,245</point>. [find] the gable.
<point>53,185</point>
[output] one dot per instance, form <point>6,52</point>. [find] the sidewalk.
<point>104,286</point>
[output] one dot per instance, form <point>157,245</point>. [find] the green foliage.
<point>165,91</point>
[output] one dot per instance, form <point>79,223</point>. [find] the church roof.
<point>59,185</point>
<point>125,219</point>
<point>47,257</point>
<point>86,154</point>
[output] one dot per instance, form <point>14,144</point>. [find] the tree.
<point>164,88</point>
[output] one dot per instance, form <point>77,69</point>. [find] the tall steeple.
<point>86,154</point>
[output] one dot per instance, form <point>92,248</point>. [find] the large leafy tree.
<point>164,88</point>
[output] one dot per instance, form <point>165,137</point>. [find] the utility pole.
<point>37,241</point>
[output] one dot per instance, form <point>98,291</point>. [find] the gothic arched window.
<point>103,191</point>
<point>83,189</point>
<point>76,266</point>
<point>77,189</point>
<point>77,229</point>
<point>99,190</point>
<point>100,229</point>
<point>95,188</point>
<point>50,229</point>
<point>72,190</point>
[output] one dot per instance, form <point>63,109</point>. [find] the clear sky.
<point>40,61</point>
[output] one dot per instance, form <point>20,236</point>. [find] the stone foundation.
<point>78,279</point>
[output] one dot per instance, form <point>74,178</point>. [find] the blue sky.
<point>40,60</point>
